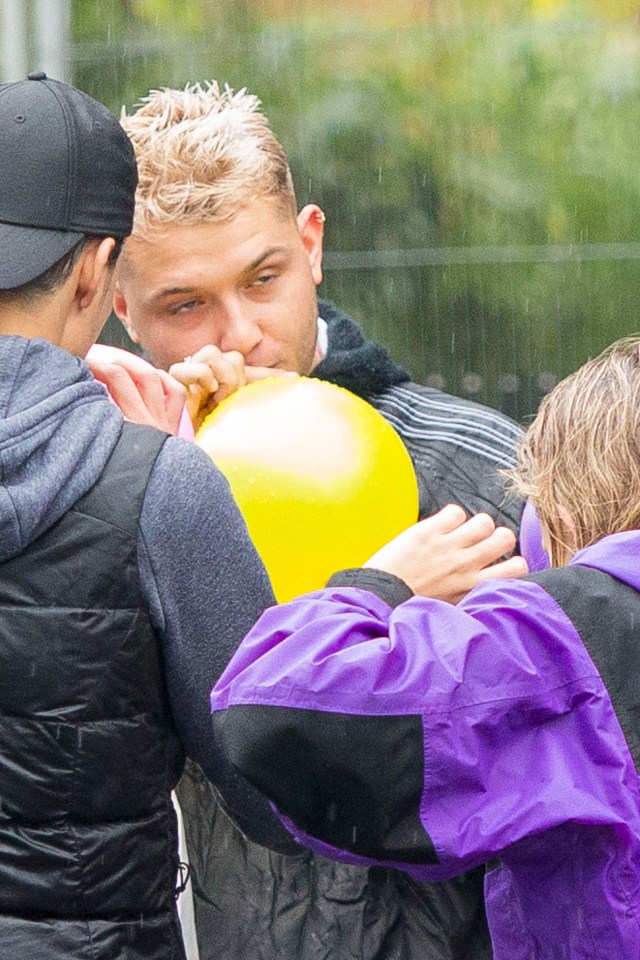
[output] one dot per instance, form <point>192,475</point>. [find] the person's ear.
<point>84,300</point>
<point>121,310</point>
<point>311,228</point>
<point>562,545</point>
<point>94,272</point>
<point>568,529</point>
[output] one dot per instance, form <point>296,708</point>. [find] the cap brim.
<point>26,252</point>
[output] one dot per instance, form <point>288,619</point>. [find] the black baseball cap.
<point>67,169</point>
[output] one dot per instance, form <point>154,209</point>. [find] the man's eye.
<point>263,279</point>
<point>184,307</point>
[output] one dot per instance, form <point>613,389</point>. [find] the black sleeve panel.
<point>354,782</point>
<point>606,613</point>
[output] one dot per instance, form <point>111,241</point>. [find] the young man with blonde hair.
<point>218,284</point>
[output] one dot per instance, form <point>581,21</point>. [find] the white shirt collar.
<point>322,343</point>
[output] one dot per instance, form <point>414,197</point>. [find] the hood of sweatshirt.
<point>57,431</point>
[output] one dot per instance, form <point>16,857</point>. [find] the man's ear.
<point>121,310</point>
<point>311,228</point>
<point>93,272</point>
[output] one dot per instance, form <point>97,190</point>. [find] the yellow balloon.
<point>322,479</point>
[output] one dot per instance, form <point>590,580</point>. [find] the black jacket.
<point>251,902</point>
<point>88,752</point>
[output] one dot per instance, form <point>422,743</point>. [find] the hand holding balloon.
<point>211,375</point>
<point>446,555</point>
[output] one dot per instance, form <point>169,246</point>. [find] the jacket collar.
<point>353,362</point>
<point>618,555</point>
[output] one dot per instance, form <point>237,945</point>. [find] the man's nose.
<point>239,330</point>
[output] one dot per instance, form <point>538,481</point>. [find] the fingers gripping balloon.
<point>322,479</point>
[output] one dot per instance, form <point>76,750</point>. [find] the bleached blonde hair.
<point>203,153</point>
<point>579,462</point>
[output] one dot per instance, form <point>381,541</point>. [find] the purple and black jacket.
<point>502,731</point>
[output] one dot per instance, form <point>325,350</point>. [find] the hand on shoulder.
<point>446,555</point>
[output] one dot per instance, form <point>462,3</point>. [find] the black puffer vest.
<point>88,752</point>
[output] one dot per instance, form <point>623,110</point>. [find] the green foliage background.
<point>478,161</point>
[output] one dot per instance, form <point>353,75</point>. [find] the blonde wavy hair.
<point>579,462</point>
<point>203,153</point>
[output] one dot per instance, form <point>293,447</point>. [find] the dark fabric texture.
<point>604,612</point>
<point>251,902</point>
<point>88,750</point>
<point>205,588</point>
<point>353,362</point>
<point>389,588</point>
<point>378,813</point>
<point>57,431</point>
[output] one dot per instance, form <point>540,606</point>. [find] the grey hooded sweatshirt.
<point>201,577</point>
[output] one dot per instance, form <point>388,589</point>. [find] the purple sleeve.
<point>493,708</point>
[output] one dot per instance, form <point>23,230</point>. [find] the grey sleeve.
<point>205,587</point>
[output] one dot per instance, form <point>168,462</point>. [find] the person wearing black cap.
<point>126,573</point>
